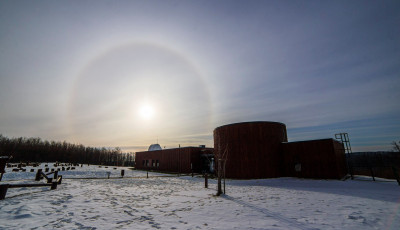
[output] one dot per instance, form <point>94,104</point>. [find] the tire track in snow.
<point>276,216</point>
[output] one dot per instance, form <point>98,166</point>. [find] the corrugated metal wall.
<point>252,148</point>
<point>323,159</point>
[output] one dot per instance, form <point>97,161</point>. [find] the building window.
<point>157,163</point>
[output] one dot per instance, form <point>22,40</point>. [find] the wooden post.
<point>147,174</point>
<point>206,180</point>
<point>219,192</point>
<point>122,173</point>
<point>55,175</point>
<point>59,180</point>
<point>372,172</point>
<point>54,185</point>
<point>3,162</point>
<point>224,176</point>
<point>3,191</point>
<point>350,166</point>
<point>38,175</point>
<point>179,160</point>
<point>396,175</point>
<point>224,185</point>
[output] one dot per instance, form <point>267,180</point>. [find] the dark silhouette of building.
<point>260,149</point>
<point>251,150</point>
<point>179,160</point>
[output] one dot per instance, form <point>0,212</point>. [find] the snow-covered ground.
<point>138,202</point>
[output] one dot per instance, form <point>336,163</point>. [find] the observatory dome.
<point>155,147</point>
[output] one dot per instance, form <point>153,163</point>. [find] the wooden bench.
<point>39,175</point>
<point>5,187</point>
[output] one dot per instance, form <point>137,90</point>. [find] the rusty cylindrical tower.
<point>251,149</point>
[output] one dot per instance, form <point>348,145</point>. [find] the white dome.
<point>155,147</point>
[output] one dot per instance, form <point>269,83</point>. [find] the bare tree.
<point>396,146</point>
<point>221,161</point>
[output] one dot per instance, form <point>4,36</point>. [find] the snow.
<point>137,202</point>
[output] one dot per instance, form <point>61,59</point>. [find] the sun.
<point>146,112</point>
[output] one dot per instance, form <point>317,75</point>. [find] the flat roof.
<point>186,147</point>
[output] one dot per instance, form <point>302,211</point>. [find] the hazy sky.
<point>83,71</point>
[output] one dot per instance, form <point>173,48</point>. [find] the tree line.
<point>378,164</point>
<point>34,149</point>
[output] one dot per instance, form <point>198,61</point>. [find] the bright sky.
<point>126,73</point>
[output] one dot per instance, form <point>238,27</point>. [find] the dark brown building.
<point>260,150</point>
<point>179,160</point>
<point>252,149</point>
<point>323,159</point>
